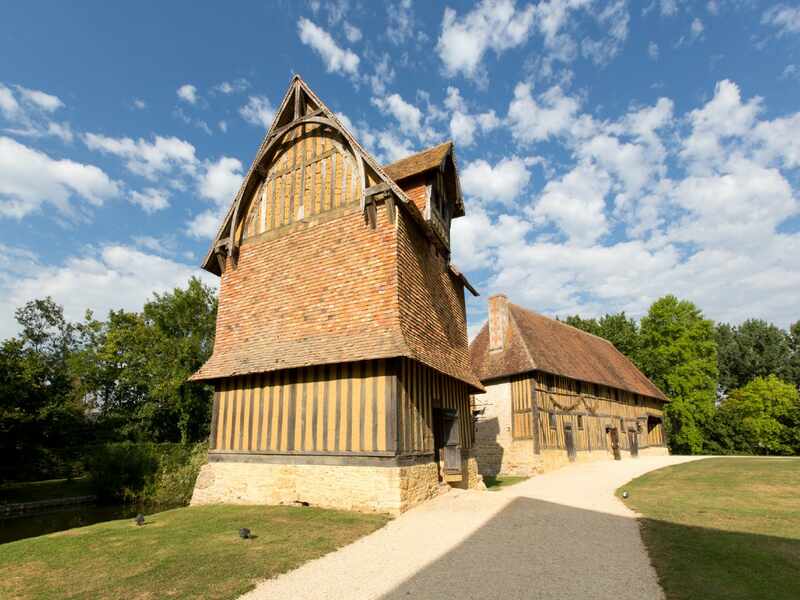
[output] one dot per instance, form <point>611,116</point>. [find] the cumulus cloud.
<point>113,276</point>
<point>492,25</point>
<point>533,120</point>
<point>29,113</point>
<point>188,93</point>
<point>700,204</point>
<point>232,87</point>
<point>151,199</point>
<point>336,58</point>
<point>30,178</point>
<point>400,16</point>
<point>258,111</point>
<point>652,50</point>
<point>465,125</point>
<point>149,159</point>
<point>219,182</point>
<point>501,183</point>
<point>784,18</point>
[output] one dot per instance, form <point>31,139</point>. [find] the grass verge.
<point>723,527</point>
<point>192,552</point>
<point>497,482</point>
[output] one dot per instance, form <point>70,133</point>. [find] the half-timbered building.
<point>556,394</point>
<point>341,365</point>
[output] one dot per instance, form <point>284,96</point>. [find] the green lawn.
<point>723,528</point>
<point>44,490</point>
<point>496,483</point>
<point>192,552</point>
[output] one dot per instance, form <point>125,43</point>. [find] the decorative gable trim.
<point>300,105</point>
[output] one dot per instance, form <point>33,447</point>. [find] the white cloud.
<point>336,59</point>
<point>351,32</point>
<point>42,100</point>
<point>724,116</point>
<point>652,50</point>
<point>60,130</point>
<point>30,178</point>
<point>232,87</point>
<point>139,104</point>
<point>30,115</point>
<point>113,276</point>
<point>491,25</point>
<point>648,204</point>
<point>502,182</point>
<point>696,28</point>
<point>148,159</point>
<point>786,19</point>
<point>613,19</point>
<point>8,103</point>
<point>151,199</point>
<point>408,116</point>
<point>576,204</point>
<point>188,93</point>
<point>258,111</point>
<point>533,121</point>
<point>400,16</point>
<point>221,180</point>
<point>463,125</point>
<point>223,126</point>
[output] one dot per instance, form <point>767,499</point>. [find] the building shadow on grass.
<point>536,549</point>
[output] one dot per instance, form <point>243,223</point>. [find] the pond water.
<point>58,519</point>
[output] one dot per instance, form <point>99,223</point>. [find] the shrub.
<point>161,474</point>
<point>177,473</point>
<point>121,471</point>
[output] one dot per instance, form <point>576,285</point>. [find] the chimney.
<point>498,322</point>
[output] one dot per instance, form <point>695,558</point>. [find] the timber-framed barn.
<point>341,365</point>
<point>556,394</point>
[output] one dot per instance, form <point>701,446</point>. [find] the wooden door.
<point>633,440</point>
<point>613,442</point>
<point>447,442</point>
<point>569,441</point>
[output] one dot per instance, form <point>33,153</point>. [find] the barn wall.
<point>589,409</point>
<point>340,409</point>
<point>380,407</point>
<point>421,391</point>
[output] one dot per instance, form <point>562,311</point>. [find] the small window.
<point>622,424</point>
<point>580,422</point>
<point>552,417</point>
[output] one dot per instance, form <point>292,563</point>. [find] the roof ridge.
<point>559,322</point>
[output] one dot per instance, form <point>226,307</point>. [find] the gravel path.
<point>562,535</point>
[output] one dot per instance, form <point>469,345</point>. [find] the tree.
<point>679,354</point>
<point>136,366</point>
<point>793,374</point>
<point>40,421</point>
<point>753,349</point>
<point>763,416</point>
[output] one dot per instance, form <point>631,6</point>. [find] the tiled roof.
<point>538,343</point>
<point>330,293</point>
<point>419,162</point>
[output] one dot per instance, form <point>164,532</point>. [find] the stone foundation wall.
<point>495,448</point>
<point>391,489</point>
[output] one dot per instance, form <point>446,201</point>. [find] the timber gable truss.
<point>308,165</point>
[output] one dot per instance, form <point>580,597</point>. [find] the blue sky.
<point>610,152</point>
